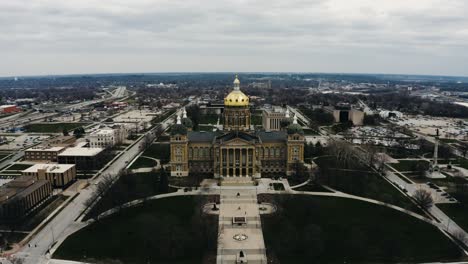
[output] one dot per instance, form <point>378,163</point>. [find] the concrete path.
<point>244,205</point>
<point>446,223</point>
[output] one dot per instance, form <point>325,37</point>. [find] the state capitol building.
<point>237,150</point>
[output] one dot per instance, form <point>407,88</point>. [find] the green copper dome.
<point>178,129</point>
<point>295,129</point>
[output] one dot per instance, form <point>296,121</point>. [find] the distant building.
<point>8,109</point>
<point>345,113</point>
<point>391,114</point>
<point>43,153</point>
<point>272,118</point>
<point>82,157</point>
<point>20,196</point>
<point>59,175</point>
<point>107,136</point>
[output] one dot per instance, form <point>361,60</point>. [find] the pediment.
<point>236,142</point>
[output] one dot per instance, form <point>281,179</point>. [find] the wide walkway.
<point>250,234</point>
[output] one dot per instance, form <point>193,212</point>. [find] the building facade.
<point>21,196</point>
<point>83,157</point>
<point>59,175</point>
<point>273,118</point>
<point>236,151</point>
<point>43,153</point>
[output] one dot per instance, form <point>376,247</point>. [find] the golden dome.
<point>236,98</point>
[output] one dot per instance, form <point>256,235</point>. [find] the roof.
<point>237,134</point>
<point>196,136</point>
<point>45,148</point>
<point>80,151</point>
<point>50,168</point>
<point>236,98</point>
<point>272,136</point>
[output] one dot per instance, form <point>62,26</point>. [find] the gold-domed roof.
<point>236,98</point>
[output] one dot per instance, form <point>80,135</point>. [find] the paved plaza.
<point>246,237</point>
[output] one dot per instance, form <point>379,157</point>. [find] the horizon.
<point>228,72</point>
<point>426,37</point>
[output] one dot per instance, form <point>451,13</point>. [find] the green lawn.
<point>407,165</point>
<point>19,167</point>
<point>361,181</point>
<point>52,127</point>
<point>457,212</point>
<point>309,229</point>
<point>129,187</point>
<point>159,151</point>
<point>310,132</point>
<point>143,162</point>
<point>311,187</point>
<point>169,230</point>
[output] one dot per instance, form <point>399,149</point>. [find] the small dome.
<point>236,98</point>
<point>178,129</point>
<point>295,129</point>
<point>187,122</point>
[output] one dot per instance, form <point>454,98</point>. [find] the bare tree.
<point>104,185</point>
<point>423,198</point>
<point>148,140</point>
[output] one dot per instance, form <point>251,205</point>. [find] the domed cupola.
<point>236,97</point>
<point>178,128</point>
<point>295,128</point>
<point>187,122</point>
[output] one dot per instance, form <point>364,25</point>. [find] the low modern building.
<point>43,153</point>
<point>21,196</point>
<point>345,113</point>
<point>59,175</point>
<point>273,117</point>
<point>83,157</point>
<point>7,109</point>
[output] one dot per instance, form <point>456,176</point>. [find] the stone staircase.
<point>237,181</point>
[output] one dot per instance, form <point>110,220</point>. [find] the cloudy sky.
<point>353,36</point>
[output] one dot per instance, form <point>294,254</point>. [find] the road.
<point>64,223</point>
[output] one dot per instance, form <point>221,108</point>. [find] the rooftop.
<point>81,151</point>
<point>45,148</point>
<point>55,168</point>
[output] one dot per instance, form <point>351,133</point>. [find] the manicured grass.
<point>457,212</point>
<point>52,127</point>
<point>19,167</point>
<point>159,151</point>
<point>361,181</point>
<point>310,132</point>
<point>143,162</point>
<point>311,187</point>
<point>127,188</point>
<point>308,229</point>
<point>407,165</point>
<point>169,230</point>
<point>277,186</point>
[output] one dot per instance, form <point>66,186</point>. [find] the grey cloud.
<point>322,35</point>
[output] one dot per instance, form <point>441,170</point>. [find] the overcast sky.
<point>117,36</point>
